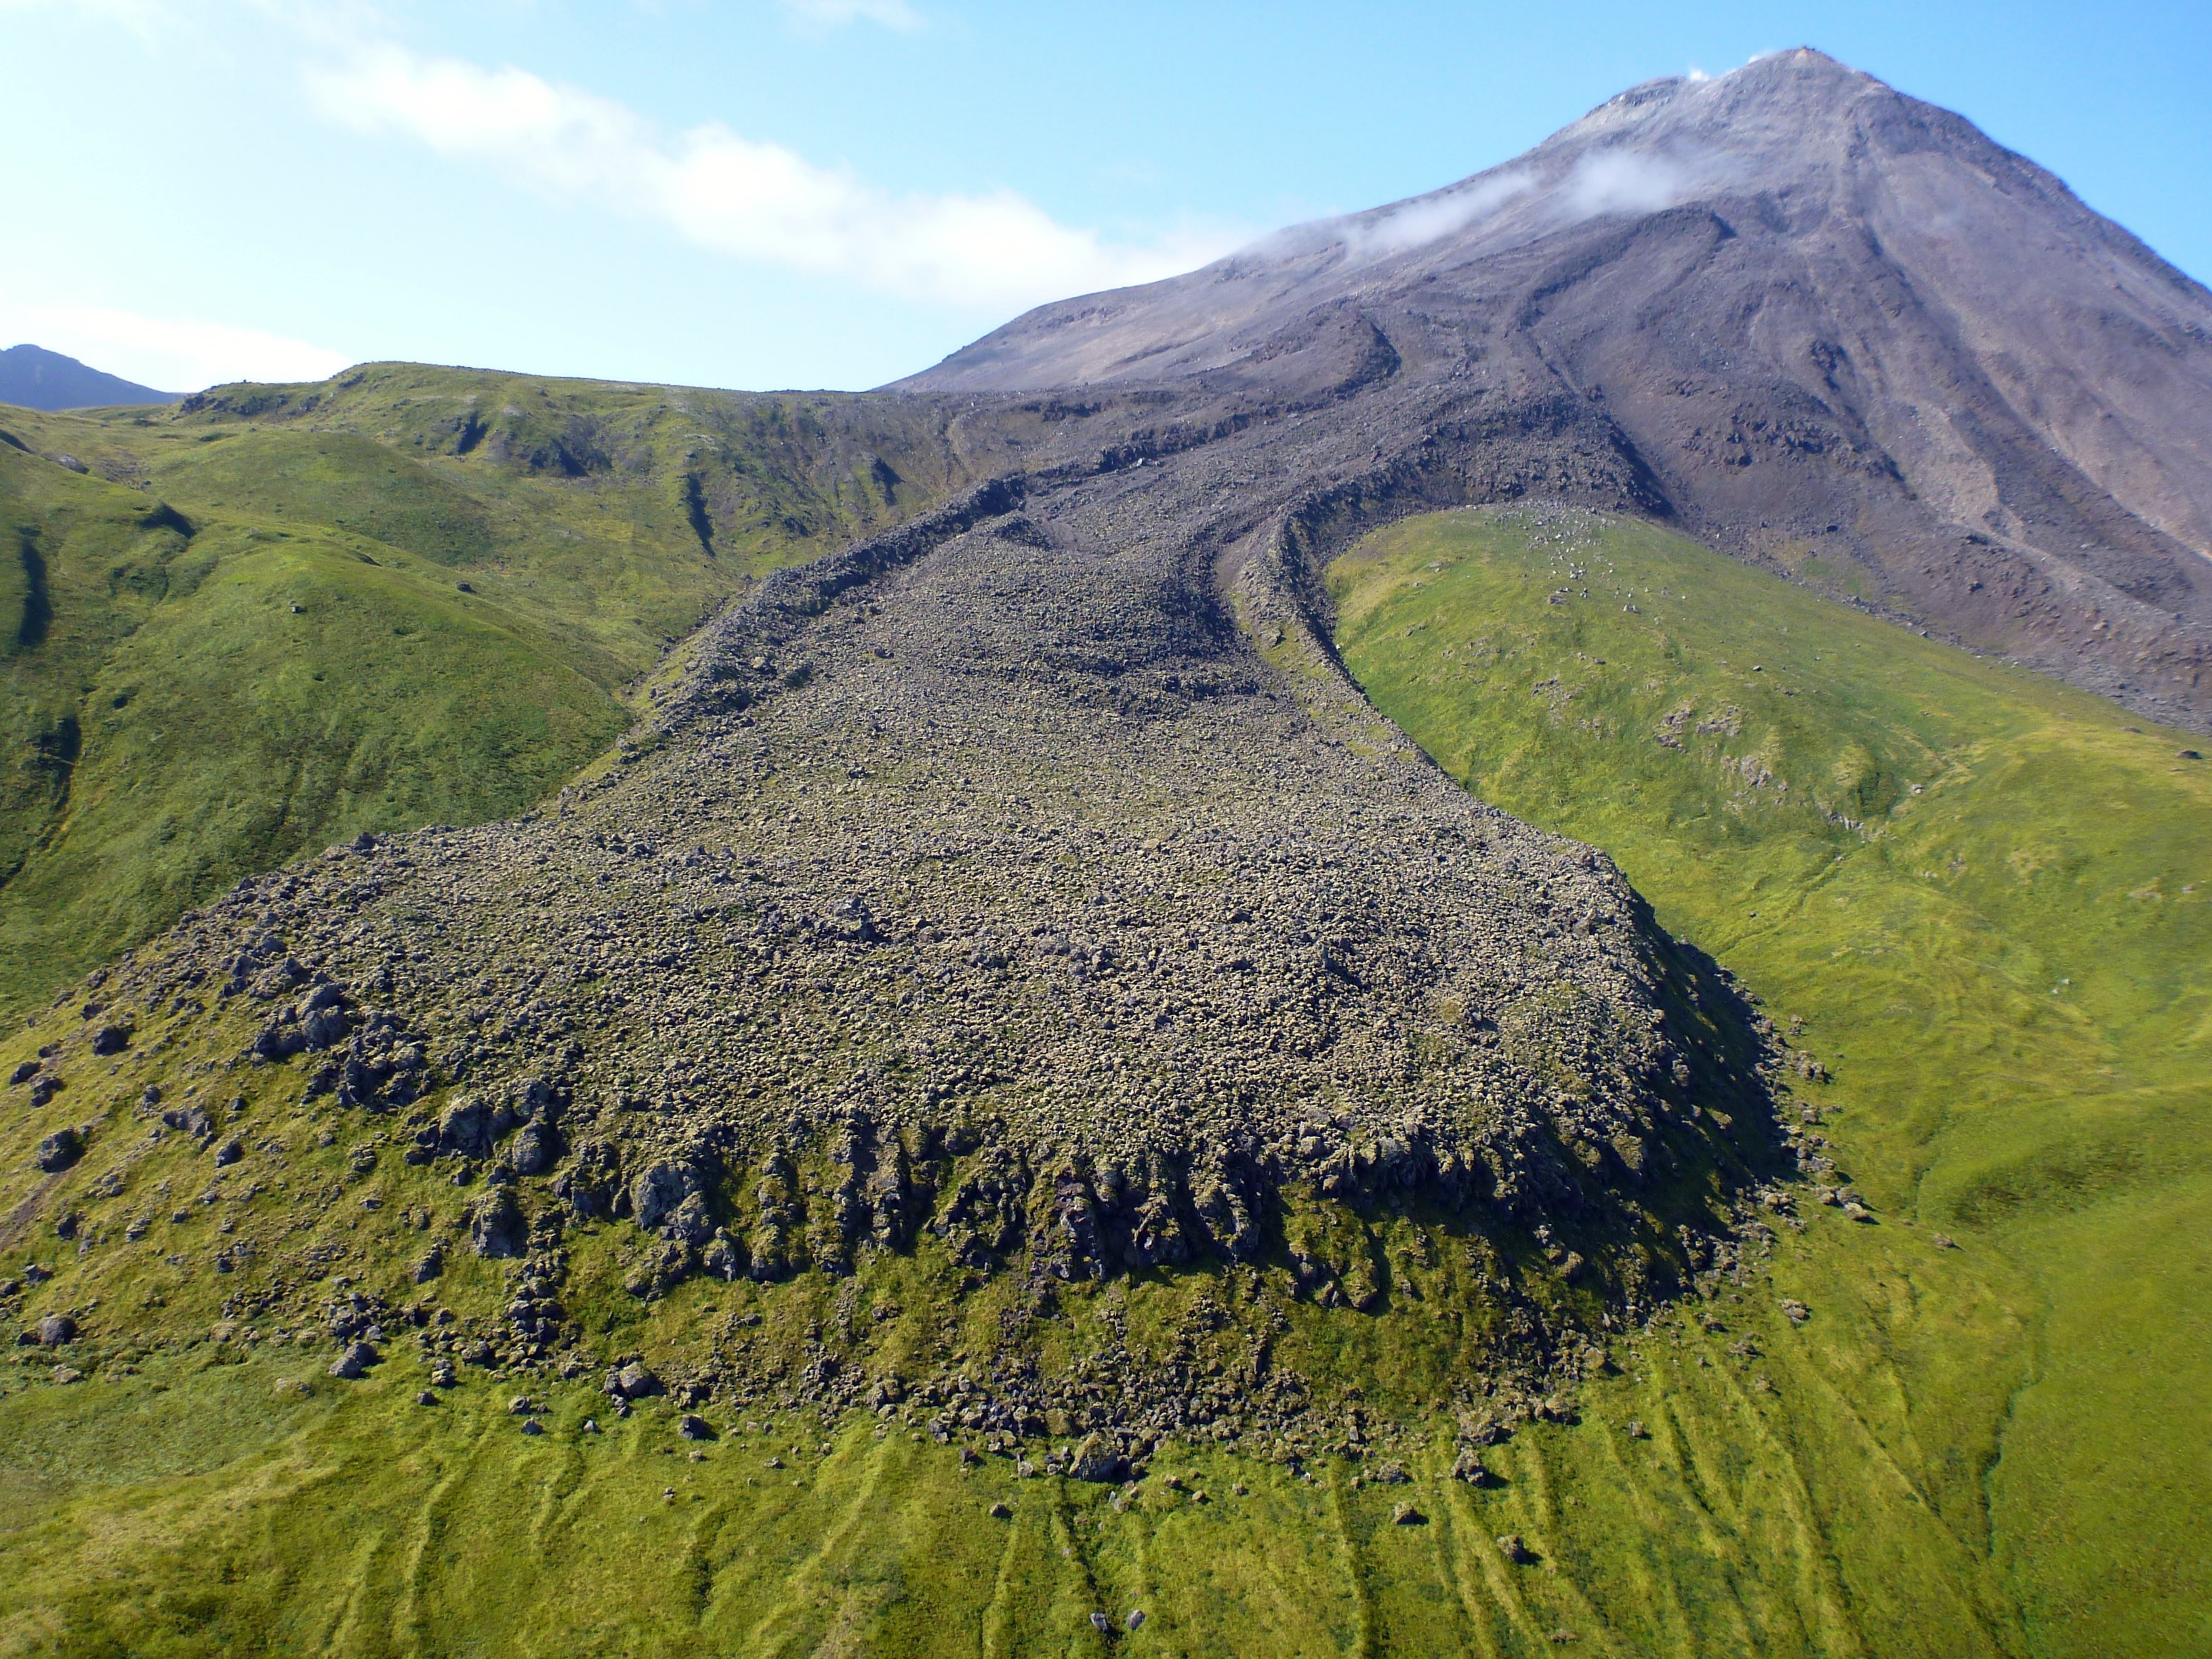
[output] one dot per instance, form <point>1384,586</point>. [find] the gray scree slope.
<point>1813,316</point>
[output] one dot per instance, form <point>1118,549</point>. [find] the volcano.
<point>1805,318</point>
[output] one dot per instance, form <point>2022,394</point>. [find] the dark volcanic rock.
<point>496,1226</point>
<point>59,1150</point>
<point>355,1362</point>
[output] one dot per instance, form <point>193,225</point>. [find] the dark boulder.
<point>1098,1459</point>
<point>466,1129</point>
<point>660,1187</point>
<point>354,1361</point>
<point>280,1039</point>
<point>59,1150</point>
<point>632,1381</point>
<point>535,1148</point>
<point>496,1226</point>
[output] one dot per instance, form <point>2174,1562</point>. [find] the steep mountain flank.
<point>1836,330</point>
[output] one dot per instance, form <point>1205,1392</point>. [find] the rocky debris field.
<point>1026,889</point>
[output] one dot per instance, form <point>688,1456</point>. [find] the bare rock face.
<point>1817,322</point>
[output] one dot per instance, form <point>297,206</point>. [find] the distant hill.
<point>404,597</point>
<point>32,377</point>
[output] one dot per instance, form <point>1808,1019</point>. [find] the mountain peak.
<point>1802,306</point>
<point>32,377</point>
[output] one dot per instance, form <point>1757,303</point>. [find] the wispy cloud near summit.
<point>741,197</point>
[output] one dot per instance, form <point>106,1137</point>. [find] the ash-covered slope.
<point>1835,328</point>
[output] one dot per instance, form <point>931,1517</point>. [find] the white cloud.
<point>1622,181</point>
<point>896,15</point>
<point>1430,218</point>
<point>168,353</point>
<point>738,195</point>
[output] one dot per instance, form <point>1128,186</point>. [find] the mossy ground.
<point>1989,901</point>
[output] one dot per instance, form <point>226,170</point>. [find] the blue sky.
<point>836,192</point>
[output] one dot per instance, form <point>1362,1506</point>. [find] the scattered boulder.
<point>632,1381</point>
<point>111,1039</point>
<point>465,1129</point>
<point>1000,1512</point>
<point>496,1226</point>
<point>56,1329</point>
<point>1509,1545</point>
<point>280,1039</point>
<point>657,1192</point>
<point>1097,1459</point>
<point>59,1150</point>
<point>692,1427</point>
<point>354,1361</point>
<point>1404,1514</point>
<point>721,1257</point>
<point>535,1148</point>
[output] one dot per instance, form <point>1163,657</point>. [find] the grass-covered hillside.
<point>276,616</point>
<point>1970,1423</point>
<point>1986,903</point>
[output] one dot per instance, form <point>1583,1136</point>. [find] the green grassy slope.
<point>195,1509</point>
<point>1989,901</point>
<point>1734,1484</point>
<point>276,616</point>
<point>1991,1449</point>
